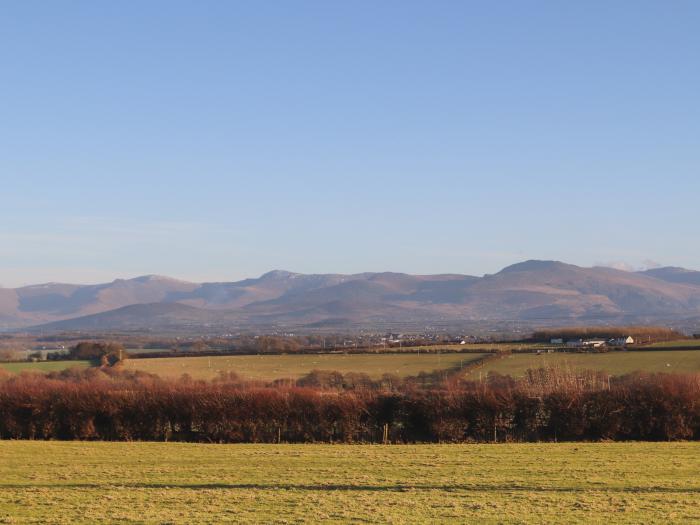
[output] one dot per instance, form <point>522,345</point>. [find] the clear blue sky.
<point>219,140</point>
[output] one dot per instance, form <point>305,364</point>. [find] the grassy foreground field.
<point>81,482</point>
<point>268,367</point>
<point>614,363</point>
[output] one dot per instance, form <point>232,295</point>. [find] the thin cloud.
<point>650,264</point>
<point>647,264</point>
<point>617,265</point>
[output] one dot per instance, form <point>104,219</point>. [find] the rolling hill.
<point>533,291</point>
<point>673,274</point>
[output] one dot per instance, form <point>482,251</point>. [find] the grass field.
<point>268,367</point>
<point>615,363</point>
<point>685,343</point>
<point>88,482</point>
<point>42,366</point>
<point>146,350</point>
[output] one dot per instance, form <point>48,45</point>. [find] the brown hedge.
<point>546,406</point>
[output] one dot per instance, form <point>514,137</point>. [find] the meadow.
<point>683,343</point>
<point>42,366</point>
<point>614,363</point>
<point>149,483</point>
<point>269,367</point>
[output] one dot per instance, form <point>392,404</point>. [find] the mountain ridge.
<point>528,290</point>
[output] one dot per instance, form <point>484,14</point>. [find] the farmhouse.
<point>594,343</point>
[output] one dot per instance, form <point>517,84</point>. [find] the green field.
<point>685,343</point>
<point>147,350</point>
<point>268,367</point>
<point>615,363</point>
<point>43,366</point>
<point>157,483</point>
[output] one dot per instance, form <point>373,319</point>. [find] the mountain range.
<point>531,291</point>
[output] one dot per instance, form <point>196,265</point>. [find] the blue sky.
<point>219,140</point>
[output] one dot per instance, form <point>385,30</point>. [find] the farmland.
<point>42,366</point>
<point>674,356</point>
<point>683,343</point>
<point>84,482</point>
<point>269,367</point>
<point>614,363</point>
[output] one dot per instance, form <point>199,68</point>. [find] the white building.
<point>594,343</point>
<point>622,341</point>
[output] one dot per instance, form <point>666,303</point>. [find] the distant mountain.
<point>163,316</point>
<point>673,274</point>
<point>532,291</point>
<point>548,289</point>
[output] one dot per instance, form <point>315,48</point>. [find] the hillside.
<point>163,316</point>
<point>673,274</point>
<point>532,291</point>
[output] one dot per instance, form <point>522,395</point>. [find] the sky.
<point>213,141</point>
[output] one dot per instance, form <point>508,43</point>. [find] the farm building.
<point>621,341</point>
<point>556,341</point>
<point>575,343</point>
<point>594,343</point>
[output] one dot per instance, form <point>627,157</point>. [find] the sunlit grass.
<point>74,482</point>
<point>614,363</point>
<point>268,367</point>
<point>683,343</point>
<point>43,366</point>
